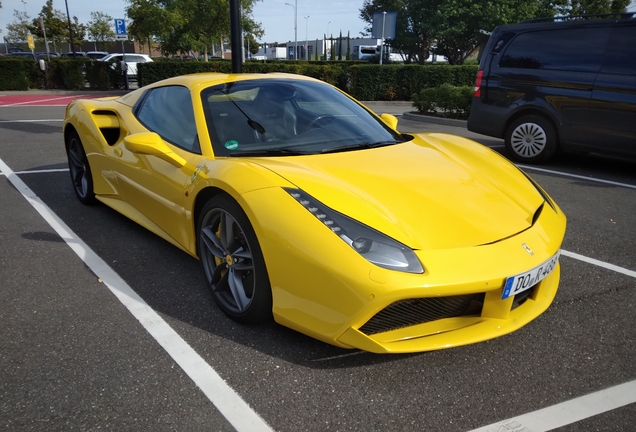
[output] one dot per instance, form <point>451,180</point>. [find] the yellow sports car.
<point>303,205</point>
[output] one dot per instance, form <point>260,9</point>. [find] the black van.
<point>565,82</point>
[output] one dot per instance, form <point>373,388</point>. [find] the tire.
<point>233,262</point>
<point>81,175</point>
<point>531,139</point>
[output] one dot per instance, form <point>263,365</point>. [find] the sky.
<point>276,18</point>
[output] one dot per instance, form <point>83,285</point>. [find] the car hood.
<point>435,192</point>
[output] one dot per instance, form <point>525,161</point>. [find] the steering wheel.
<point>319,119</point>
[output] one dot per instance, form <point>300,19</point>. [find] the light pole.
<point>306,40</point>
<point>295,6</point>
<point>70,32</point>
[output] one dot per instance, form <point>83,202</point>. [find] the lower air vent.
<point>410,312</point>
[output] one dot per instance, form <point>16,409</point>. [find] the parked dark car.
<point>560,83</point>
<point>23,54</point>
<point>76,54</point>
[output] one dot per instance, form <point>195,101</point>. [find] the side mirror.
<point>390,120</point>
<point>150,143</point>
<point>42,65</point>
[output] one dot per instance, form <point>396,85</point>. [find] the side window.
<point>571,49</point>
<point>168,112</point>
<point>620,58</point>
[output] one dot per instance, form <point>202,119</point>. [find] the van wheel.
<point>531,139</point>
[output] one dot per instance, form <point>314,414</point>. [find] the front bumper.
<point>324,289</point>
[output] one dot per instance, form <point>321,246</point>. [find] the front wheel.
<point>531,139</point>
<point>233,262</point>
<point>80,170</point>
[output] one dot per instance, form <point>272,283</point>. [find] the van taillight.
<point>478,83</point>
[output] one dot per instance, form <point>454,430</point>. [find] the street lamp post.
<point>295,6</point>
<point>70,31</point>
<point>306,40</point>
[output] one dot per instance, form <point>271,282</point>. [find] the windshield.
<point>268,117</point>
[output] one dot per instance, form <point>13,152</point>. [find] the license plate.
<point>523,281</point>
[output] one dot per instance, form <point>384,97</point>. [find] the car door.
<point>613,109</point>
<point>153,186</point>
<point>552,69</point>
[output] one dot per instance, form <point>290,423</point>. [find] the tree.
<point>413,29</point>
<point>149,21</point>
<point>185,25</point>
<point>18,29</point>
<point>100,29</point>
<point>340,46</point>
<point>56,24</point>
<point>456,24</point>
<point>79,32</point>
<point>451,27</point>
<point>250,44</point>
<point>348,46</point>
<point>580,7</point>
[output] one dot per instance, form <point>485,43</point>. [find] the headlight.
<point>374,246</point>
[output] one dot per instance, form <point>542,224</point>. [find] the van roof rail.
<point>621,15</point>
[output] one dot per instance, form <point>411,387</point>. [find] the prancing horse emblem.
<point>527,248</point>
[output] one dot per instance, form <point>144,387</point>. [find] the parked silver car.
<point>131,60</point>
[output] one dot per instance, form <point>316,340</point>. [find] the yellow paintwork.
<point>464,209</point>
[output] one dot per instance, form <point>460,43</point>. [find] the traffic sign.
<point>120,29</point>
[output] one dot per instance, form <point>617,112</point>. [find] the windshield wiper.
<point>268,152</point>
<point>359,146</point>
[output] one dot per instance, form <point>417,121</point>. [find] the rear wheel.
<point>531,139</point>
<point>80,170</point>
<point>233,262</point>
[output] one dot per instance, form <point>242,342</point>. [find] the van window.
<point>564,49</point>
<point>620,58</point>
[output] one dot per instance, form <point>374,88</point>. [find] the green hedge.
<point>449,100</point>
<point>335,74</point>
<point>399,82</point>
<point>14,73</point>
<point>363,81</point>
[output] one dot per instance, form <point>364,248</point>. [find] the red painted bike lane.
<point>43,99</point>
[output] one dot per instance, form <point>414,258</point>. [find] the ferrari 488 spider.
<point>303,205</point>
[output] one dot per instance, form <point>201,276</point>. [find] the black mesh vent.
<point>522,297</point>
<point>410,312</point>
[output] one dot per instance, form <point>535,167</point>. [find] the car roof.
<point>568,21</point>
<point>207,79</point>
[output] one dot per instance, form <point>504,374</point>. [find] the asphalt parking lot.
<point>107,326</point>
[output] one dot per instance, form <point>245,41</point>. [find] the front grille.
<point>410,312</point>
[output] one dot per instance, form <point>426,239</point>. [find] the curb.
<point>434,120</point>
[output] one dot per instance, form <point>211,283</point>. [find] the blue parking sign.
<point>120,29</point>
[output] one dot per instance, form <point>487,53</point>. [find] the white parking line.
<point>238,413</point>
<point>32,121</point>
<point>42,171</point>
<point>225,399</point>
<point>577,176</point>
<point>568,412</point>
<point>596,262</point>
